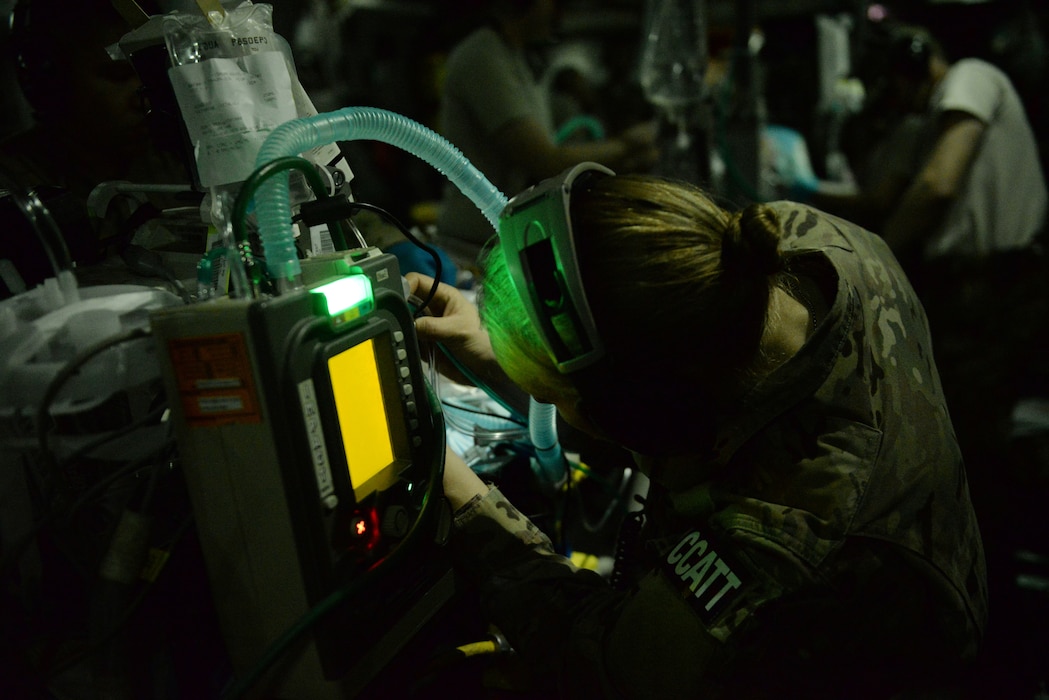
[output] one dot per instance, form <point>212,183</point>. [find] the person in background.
<point>89,125</point>
<point>962,203</point>
<point>978,188</point>
<point>495,111</point>
<point>808,531</point>
<point>89,122</point>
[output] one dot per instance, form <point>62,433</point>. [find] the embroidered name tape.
<point>705,575</point>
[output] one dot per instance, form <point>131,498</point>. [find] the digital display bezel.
<point>380,334</point>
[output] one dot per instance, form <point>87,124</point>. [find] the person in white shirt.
<point>969,226</point>
<point>495,111</point>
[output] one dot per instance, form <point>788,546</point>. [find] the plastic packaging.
<point>235,81</point>
<point>193,37</point>
<point>38,348</point>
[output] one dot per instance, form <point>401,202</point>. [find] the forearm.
<point>611,153</point>
<point>919,214</point>
<point>525,143</point>
<point>857,208</point>
<point>461,484</point>
<point>543,160</point>
<point>491,536</point>
<point>924,205</point>
<point>869,207</point>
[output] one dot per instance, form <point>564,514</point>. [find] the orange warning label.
<point>215,379</point>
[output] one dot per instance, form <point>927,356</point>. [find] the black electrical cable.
<point>151,487</point>
<point>88,447</point>
<point>616,500</point>
<point>406,232</point>
<point>64,375</point>
<point>445,659</point>
<point>348,206</point>
<point>14,553</point>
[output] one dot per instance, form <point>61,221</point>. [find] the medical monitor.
<point>313,451</point>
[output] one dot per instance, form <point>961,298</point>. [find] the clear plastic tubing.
<point>273,204</point>
<point>273,209</point>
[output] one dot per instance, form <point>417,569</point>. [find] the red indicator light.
<point>357,531</point>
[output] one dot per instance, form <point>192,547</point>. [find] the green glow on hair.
<point>517,345</point>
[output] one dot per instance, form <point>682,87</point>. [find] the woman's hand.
<point>456,325</point>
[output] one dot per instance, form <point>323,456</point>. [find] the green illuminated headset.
<point>535,229</point>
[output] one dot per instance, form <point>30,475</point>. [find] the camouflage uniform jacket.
<point>825,547</point>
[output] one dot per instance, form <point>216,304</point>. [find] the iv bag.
<point>674,53</point>
<point>233,86</point>
<point>235,81</point>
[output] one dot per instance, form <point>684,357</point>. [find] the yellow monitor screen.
<point>361,408</point>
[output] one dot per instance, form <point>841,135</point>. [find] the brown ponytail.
<point>750,244</point>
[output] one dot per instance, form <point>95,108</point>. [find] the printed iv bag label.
<point>230,105</point>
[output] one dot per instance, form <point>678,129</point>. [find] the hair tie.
<point>750,243</point>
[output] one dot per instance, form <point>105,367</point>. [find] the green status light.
<point>345,299</point>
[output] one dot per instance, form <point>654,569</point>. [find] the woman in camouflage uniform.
<point>808,531</point>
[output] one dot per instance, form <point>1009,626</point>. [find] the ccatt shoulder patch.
<point>706,575</point>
